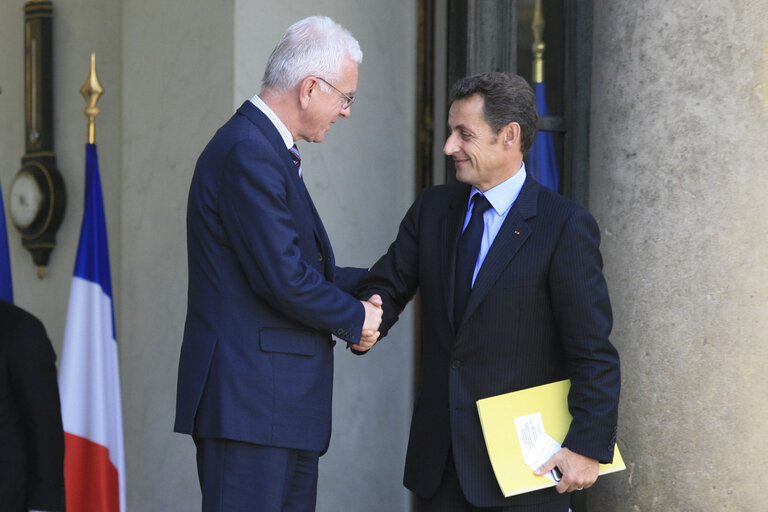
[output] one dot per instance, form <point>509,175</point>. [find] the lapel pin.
<point>517,232</point>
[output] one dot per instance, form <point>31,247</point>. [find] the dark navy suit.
<point>264,296</point>
<point>31,435</point>
<point>538,312</point>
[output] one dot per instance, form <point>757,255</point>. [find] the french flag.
<point>6,287</point>
<point>89,379</point>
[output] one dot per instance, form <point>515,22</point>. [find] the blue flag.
<point>6,286</point>
<point>93,252</point>
<point>541,157</point>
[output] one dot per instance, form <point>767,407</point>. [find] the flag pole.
<point>91,90</point>
<point>538,46</point>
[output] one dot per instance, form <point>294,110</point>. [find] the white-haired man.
<point>256,366</point>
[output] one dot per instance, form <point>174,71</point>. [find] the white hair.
<point>314,46</point>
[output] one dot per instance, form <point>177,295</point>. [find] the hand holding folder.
<point>497,417</point>
<point>573,472</point>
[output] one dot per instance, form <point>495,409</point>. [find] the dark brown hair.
<point>508,98</point>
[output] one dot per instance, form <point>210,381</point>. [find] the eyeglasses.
<point>348,100</point>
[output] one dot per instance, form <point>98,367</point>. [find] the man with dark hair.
<point>513,296</point>
<point>31,435</point>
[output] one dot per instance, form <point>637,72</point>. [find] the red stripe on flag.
<point>90,477</point>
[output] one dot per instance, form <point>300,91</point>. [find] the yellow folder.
<point>497,416</point>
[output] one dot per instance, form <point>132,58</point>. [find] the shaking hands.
<point>370,334</point>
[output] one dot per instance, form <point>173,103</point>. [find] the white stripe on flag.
<point>89,376</point>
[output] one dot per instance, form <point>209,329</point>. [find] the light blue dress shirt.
<point>501,197</point>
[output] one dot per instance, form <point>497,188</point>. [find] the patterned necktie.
<point>296,158</point>
<point>466,257</point>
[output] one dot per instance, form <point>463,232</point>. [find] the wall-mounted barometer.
<point>37,197</point>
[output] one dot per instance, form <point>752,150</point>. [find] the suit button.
<point>456,364</point>
<point>319,256</point>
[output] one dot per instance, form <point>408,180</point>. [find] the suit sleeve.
<point>32,371</point>
<point>348,278</point>
<point>583,315</point>
<point>262,230</point>
<point>395,276</point>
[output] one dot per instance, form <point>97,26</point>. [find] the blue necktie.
<point>466,257</point>
<point>296,158</point>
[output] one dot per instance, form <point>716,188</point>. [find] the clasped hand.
<point>370,334</point>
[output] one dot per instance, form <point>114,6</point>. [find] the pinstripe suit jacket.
<point>538,312</point>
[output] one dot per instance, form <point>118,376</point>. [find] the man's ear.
<point>512,134</point>
<point>307,89</point>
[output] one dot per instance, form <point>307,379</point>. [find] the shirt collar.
<point>285,133</point>
<point>503,195</point>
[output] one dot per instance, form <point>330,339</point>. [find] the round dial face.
<point>25,200</point>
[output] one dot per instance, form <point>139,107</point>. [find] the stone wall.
<point>679,176</point>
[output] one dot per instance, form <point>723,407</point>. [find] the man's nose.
<point>450,147</point>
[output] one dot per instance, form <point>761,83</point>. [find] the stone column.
<point>679,179</point>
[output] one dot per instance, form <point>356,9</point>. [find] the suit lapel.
<point>451,231</point>
<point>322,242</point>
<point>512,235</point>
<point>262,122</point>
<point>321,237</point>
